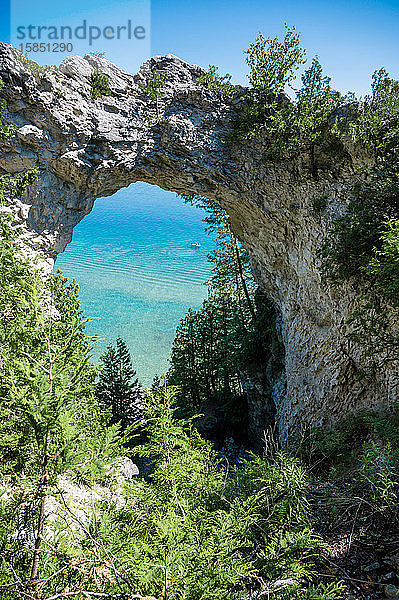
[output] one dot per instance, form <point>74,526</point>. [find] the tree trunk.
<point>40,528</point>
<point>244,285</point>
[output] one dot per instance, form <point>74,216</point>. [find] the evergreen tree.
<point>230,335</point>
<point>51,422</point>
<point>118,388</point>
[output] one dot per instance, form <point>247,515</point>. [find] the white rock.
<point>75,66</point>
<point>123,468</point>
<point>30,135</point>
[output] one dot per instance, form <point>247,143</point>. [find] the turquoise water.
<point>137,272</point>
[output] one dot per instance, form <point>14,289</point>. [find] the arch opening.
<point>138,271</point>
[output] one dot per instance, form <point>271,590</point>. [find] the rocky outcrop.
<point>86,148</point>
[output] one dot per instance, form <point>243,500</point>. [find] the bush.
<point>196,529</point>
<point>343,444</point>
<point>153,88</point>
<point>99,83</point>
<point>213,81</point>
<point>379,469</point>
<point>383,268</point>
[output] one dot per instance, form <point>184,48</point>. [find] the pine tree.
<point>51,422</point>
<point>229,335</point>
<point>118,388</point>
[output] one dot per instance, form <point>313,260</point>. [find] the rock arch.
<point>86,148</point>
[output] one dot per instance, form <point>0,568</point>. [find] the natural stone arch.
<point>87,148</point>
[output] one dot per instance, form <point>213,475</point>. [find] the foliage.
<point>366,237</point>
<point>51,423</point>
<point>273,63</point>
<point>363,245</point>
<point>357,463</point>
<point>195,528</point>
<point>99,83</point>
<point>342,444</point>
<point>154,86</point>
<point>118,388</point>
<point>371,327</point>
<point>194,531</point>
<point>292,128</point>
<point>356,238</point>
<point>5,130</point>
<point>383,268</point>
<point>375,120</point>
<point>44,368</point>
<point>219,83</point>
<point>32,65</point>
<point>303,126</point>
<point>229,336</point>
<point>379,469</point>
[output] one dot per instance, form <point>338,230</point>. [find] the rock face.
<point>85,148</point>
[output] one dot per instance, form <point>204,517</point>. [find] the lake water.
<point>137,271</point>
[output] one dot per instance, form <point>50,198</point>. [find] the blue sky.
<point>352,38</point>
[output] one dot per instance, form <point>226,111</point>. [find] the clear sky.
<point>352,38</point>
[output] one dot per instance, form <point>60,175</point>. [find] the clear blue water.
<point>137,272</point>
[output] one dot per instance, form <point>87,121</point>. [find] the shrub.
<point>195,530</point>
<point>152,89</point>
<point>99,83</point>
<point>273,63</point>
<point>379,469</point>
<point>213,81</point>
<point>383,268</point>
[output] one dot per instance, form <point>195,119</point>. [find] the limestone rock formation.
<point>85,148</point>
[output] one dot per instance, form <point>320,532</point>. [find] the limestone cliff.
<point>86,148</point>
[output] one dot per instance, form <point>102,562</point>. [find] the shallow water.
<point>137,272</point>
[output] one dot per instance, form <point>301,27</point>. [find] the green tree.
<point>230,336</point>
<point>52,422</point>
<point>273,63</point>
<point>118,388</point>
<point>153,88</point>
<point>303,126</point>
